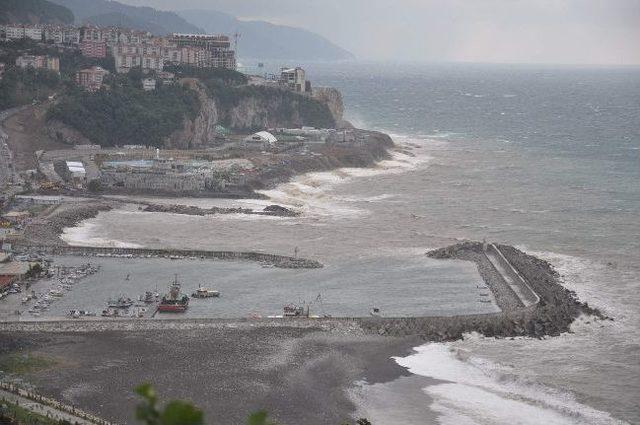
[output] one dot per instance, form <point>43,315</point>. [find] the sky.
<point>495,31</point>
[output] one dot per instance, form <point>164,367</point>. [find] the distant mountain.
<point>263,40</point>
<point>115,19</point>
<point>107,12</point>
<point>33,12</point>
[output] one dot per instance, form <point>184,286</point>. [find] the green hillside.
<point>34,12</point>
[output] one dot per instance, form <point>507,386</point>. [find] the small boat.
<point>485,301</point>
<point>205,293</point>
<point>148,297</point>
<point>292,310</point>
<point>110,313</point>
<point>55,293</point>
<point>375,312</point>
<point>121,302</point>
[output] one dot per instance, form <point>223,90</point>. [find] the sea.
<point>545,158</point>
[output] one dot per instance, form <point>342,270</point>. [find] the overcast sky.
<point>531,31</point>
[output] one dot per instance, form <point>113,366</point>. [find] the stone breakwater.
<point>552,314</point>
<point>280,261</point>
<point>46,230</point>
<point>270,210</point>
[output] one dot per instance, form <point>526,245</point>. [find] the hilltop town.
<point>98,111</point>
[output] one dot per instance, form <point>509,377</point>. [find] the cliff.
<point>201,129</point>
<point>333,99</point>
<point>252,108</point>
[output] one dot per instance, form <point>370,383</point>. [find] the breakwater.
<point>280,261</point>
<point>548,309</point>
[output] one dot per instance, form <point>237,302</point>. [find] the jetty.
<point>274,260</point>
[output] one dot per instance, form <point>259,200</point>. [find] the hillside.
<point>263,40</point>
<point>34,12</point>
<point>144,18</point>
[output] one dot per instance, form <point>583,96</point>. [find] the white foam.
<point>477,391</point>
<point>85,235</point>
<point>311,192</point>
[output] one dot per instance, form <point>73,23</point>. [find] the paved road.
<point>526,295</point>
<point>41,408</point>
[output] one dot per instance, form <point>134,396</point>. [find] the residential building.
<point>71,35</point>
<point>93,49</point>
<point>148,84</point>
<point>145,56</point>
<point>95,34</point>
<point>39,62</point>
<point>17,32</point>
<point>220,54</point>
<point>53,34</point>
<point>294,79</point>
<point>166,77</point>
<point>91,78</point>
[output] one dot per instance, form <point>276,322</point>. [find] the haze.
<point>520,31</point>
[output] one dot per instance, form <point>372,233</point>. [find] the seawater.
<point>543,158</point>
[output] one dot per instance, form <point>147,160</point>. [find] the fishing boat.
<point>121,302</point>
<point>175,301</point>
<point>292,310</point>
<point>205,293</point>
<point>149,297</point>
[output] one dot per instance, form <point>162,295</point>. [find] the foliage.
<point>34,271</point>
<point>94,186</point>
<point>183,413</point>
<point>71,60</point>
<point>12,414</point>
<point>229,88</point>
<point>259,418</point>
<point>174,413</point>
<point>22,86</point>
<point>281,104</point>
<point>24,363</point>
<point>221,75</point>
<point>33,12</point>
<point>126,114</point>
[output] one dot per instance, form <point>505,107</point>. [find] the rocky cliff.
<point>333,99</point>
<point>203,128</point>
<point>251,108</point>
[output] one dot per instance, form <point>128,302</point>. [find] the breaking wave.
<point>477,391</point>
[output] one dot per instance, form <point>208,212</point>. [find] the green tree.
<point>174,413</point>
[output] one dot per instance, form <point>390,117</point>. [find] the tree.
<point>94,186</point>
<point>174,413</point>
<point>34,271</point>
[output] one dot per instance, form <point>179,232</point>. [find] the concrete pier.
<point>281,261</point>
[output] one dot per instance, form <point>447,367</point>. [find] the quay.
<point>275,260</point>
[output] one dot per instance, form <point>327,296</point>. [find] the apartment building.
<point>91,79</point>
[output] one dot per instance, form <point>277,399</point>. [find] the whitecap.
<point>477,391</point>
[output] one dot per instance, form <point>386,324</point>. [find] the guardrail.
<point>54,404</point>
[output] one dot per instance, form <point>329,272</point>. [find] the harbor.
<point>257,290</point>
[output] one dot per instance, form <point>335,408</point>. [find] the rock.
<point>280,211</point>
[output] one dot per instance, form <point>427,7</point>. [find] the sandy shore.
<point>298,375</point>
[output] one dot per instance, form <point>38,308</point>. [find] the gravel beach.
<point>298,375</point>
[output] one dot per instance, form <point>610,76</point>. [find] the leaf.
<point>181,413</point>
